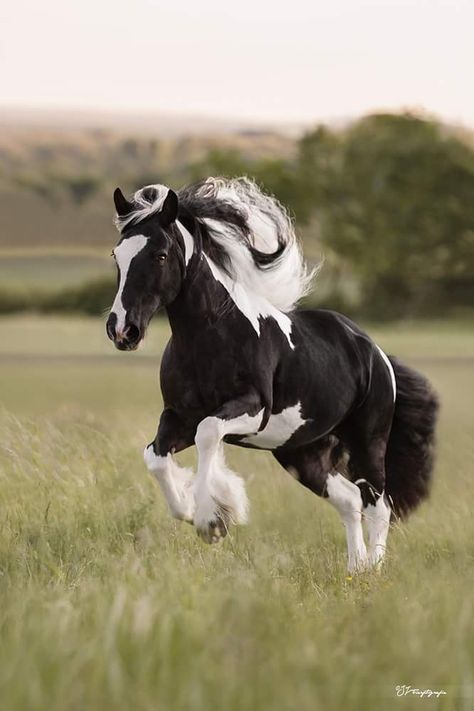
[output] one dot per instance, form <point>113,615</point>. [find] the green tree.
<point>396,203</point>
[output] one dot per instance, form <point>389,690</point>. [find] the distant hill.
<point>58,168</point>
<point>165,124</point>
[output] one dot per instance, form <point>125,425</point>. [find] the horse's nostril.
<point>133,334</point>
<point>110,329</point>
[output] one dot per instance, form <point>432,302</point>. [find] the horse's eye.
<point>161,257</point>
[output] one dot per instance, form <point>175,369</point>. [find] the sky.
<point>247,59</point>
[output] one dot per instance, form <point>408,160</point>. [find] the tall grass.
<point>107,603</point>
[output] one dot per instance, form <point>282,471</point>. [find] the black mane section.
<point>266,259</point>
<point>202,202</point>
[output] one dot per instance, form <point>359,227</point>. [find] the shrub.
<point>92,298</point>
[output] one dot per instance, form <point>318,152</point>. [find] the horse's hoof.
<point>358,566</point>
<point>214,532</point>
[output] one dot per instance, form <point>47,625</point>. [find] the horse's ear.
<point>169,211</point>
<point>122,205</point>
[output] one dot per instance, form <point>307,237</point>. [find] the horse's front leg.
<point>220,496</point>
<point>175,482</point>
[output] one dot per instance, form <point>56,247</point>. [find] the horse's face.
<point>150,270</point>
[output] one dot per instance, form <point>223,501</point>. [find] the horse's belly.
<point>278,430</point>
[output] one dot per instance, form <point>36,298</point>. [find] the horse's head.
<point>150,263</point>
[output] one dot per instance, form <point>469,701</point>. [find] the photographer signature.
<point>406,690</point>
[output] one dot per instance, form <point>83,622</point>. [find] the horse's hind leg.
<point>175,481</point>
<point>367,466</point>
<point>314,468</point>
<point>377,521</point>
<point>346,498</point>
<point>365,434</point>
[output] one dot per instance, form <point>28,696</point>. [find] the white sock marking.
<point>346,498</point>
<point>377,522</point>
<point>217,487</point>
<point>176,483</point>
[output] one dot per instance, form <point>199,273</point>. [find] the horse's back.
<point>327,326</point>
<point>331,347</point>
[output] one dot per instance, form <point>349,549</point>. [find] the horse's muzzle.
<point>126,339</point>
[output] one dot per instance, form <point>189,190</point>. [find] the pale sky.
<point>298,60</point>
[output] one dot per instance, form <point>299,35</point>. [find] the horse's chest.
<point>278,430</point>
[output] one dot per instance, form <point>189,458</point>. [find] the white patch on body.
<point>252,305</point>
<point>188,242</point>
<point>124,253</point>
<point>390,370</point>
<point>279,428</point>
<point>346,499</point>
<point>219,492</point>
<point>377,523</point>
<point>176,483</point>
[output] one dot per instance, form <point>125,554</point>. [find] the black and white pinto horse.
<point>243,366</point>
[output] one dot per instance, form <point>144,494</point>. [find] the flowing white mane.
<point>282,279</point>
<point>262,251</point>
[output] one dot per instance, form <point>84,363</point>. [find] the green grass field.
<point>52,269</point>
<point>107,603</point>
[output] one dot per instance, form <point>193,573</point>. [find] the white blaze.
<point>124,253</point>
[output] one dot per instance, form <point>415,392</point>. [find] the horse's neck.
<point>200,302</point>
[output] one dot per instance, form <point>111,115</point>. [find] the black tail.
<point>410,450</point>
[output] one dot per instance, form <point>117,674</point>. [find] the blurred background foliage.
<point>387,202</point>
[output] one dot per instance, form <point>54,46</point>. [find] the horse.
<point>245,366</point>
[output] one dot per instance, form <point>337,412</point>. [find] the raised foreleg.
<point>219,493</point>
<point>175,482</point>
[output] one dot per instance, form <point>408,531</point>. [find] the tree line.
<point>387,202</point>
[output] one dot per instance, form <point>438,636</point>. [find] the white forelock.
<point>143,207</point>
